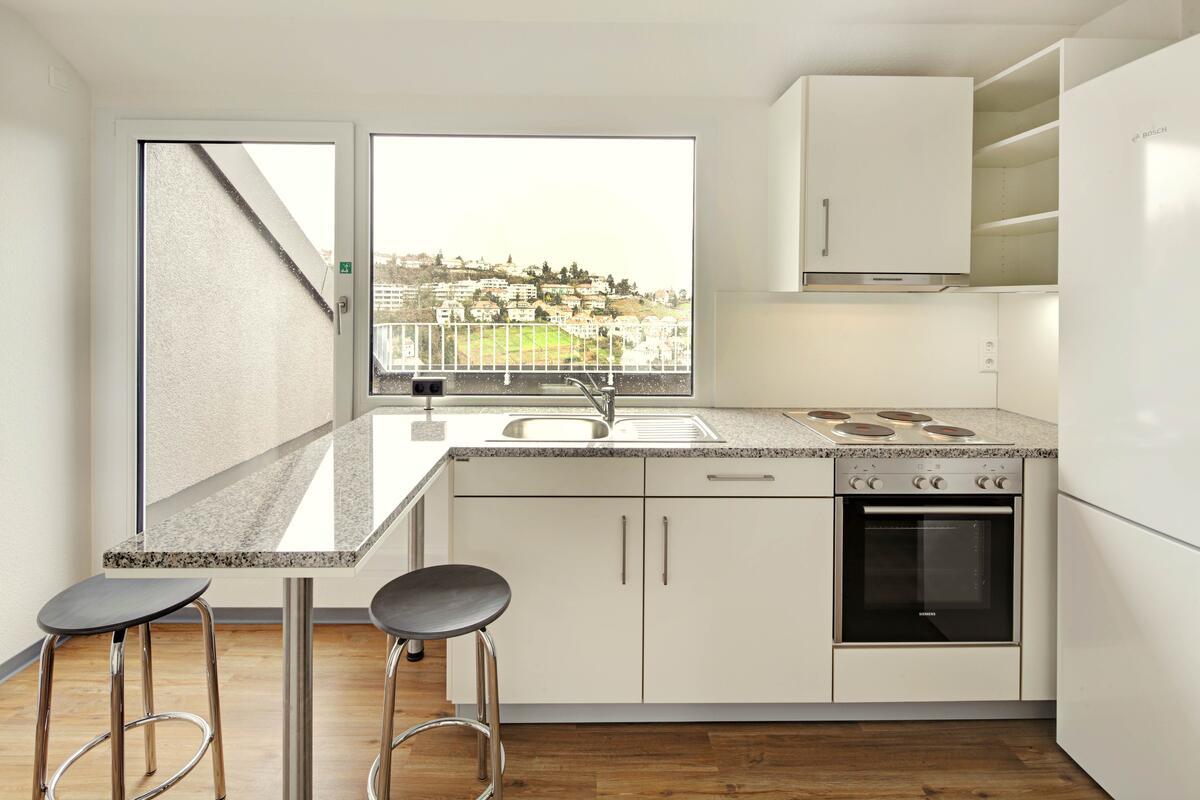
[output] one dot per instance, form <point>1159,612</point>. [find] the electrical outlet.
<point>429,387</point>
<point>989,354</point>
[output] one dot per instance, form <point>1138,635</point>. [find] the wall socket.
<point>989,354</point>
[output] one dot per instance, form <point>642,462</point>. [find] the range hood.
<point>881,281</point>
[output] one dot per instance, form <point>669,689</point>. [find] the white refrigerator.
<point>1129,504</point>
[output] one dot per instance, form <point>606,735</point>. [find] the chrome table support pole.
<point>416,560</point>
<point>297,689</point>
<point>148,698</point>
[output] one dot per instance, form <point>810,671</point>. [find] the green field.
<point>548,345</point>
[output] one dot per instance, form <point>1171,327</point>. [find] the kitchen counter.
<point>322,508</point>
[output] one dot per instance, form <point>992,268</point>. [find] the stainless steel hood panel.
<point>880,282</point>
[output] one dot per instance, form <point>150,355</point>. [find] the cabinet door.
<point>744,613</point>
<point>573,633</point>
<point>892,156</point>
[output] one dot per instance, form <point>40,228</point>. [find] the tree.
<point>547,273</point>
<point>562,275</point>
<point>510,259</point>
<point>437,260</point>
<point>540,313</point>
<point>611,283</point>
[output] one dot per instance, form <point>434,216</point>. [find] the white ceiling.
<point>722,48</point>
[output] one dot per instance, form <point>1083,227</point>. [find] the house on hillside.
<point>449,311</point>
<point>520,311</point>
<point>593,302</point>
<point>551,290</point>
<point>522,291</point>
<point>485,311</point>
<point>582,325</point>
<point>571,301</point>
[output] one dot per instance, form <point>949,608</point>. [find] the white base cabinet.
<point>573,633</point>
<point>739,599</point>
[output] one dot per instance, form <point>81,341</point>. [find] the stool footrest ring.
<point>441,722</point>
<point>164,716</point>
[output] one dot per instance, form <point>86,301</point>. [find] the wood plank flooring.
<point>778,761</point>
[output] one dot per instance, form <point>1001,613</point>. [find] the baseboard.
<point>23,659</point>
<point>263,615</point>
<point>766,712</point>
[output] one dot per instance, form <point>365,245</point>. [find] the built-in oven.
<point>927,551</point>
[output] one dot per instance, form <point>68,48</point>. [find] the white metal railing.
<point>507,347</point>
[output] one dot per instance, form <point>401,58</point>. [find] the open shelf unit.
<point>1014,213</point>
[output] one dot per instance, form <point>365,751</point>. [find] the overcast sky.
<point>616,206</point>
<point>302,176</point>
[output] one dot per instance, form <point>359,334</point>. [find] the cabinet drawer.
<point>595,476</point>
<point>739,477</point>
<point>925,674</point>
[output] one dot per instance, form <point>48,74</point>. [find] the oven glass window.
<point>912,575</point>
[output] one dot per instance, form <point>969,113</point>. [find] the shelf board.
<point>1027,147</point>
<point>1019,226</point>
<point>1040,288</point>
<point>1024,84</point>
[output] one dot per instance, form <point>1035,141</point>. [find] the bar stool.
<point>440,603</point>
<point>99,605</point>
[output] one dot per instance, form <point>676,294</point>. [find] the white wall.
<point>1028,330</point>
<point>44,397</point>
<point>827,349</point>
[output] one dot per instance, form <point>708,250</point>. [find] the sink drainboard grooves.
<point>682,430</point>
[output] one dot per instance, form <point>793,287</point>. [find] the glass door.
<point>912,571</point>
<point>245,329</point>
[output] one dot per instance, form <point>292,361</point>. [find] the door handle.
<point>666,541</point>
<point>992,511</point>
<point>825,247</point>
<point>343,305</point>
<point>624,540</point>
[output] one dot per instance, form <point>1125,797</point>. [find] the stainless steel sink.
<point>556,429</point>
<point>632,428</point>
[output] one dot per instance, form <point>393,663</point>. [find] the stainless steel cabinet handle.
<point>914,510</point>
<point>624,538</point>
<point>666,534</point>
<point>343,305</point>
<point>741,477</point>
<point>825,205</point>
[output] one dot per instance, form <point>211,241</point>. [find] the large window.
<point>506,263</point>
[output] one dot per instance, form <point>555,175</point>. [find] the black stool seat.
<point>440,602</point>
<point>101,605</point>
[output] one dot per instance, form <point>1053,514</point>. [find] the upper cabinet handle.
<point>825,205</point>
<point>741,477</point>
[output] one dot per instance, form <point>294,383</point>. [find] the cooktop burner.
<point>863,429</point>
<point>952,431</point>
<point>905,416</point>
<point>820,414</point>
<point>912,428</point>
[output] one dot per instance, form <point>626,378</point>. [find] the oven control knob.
<point>920,481</point>
<point>874,483</point>
<point>982,481</point>
<point>856,482</point>
<point>938,482</point>
<point>1001,482</point>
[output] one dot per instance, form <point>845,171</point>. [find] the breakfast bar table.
<point>318,512</point>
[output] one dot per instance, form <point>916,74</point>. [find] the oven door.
<point>913,571</point>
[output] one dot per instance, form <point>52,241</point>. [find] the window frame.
<point>366,400</point>
<point>123,434</point>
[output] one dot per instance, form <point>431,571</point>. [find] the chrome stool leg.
<point>481,708</point>
<point>496,756</point>
<point>214,696</point>
<point>148,698</point>
<point>42,731</point>
<point>116,689</point>
<point>383,783</point>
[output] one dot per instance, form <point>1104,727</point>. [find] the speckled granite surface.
<point>324,506</point>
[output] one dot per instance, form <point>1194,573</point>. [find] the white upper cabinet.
<point>870,175</point>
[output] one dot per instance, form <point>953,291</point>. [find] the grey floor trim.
<point>767,712</point>
<point>23,659</point>
<point>269,616</point>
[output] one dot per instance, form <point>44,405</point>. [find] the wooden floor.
<point>882,760</point>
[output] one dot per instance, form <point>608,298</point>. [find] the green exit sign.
<point>344,267</point>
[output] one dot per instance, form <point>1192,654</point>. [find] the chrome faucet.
<point>604,399</point>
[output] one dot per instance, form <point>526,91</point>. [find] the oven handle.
<point>962,510</point>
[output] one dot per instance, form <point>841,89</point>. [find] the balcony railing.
<point>646,347</point>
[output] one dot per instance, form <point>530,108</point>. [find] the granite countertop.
<point>320,509</point>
